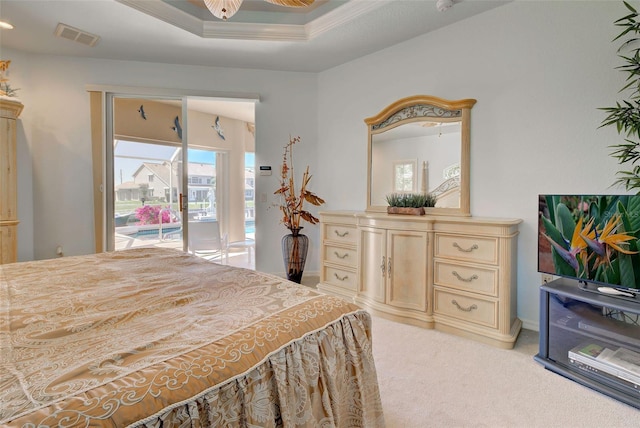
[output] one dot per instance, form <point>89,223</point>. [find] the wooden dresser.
<point>456,274</point>
<point>9,112</point>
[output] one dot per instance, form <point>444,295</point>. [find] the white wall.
<point>56,148</point>
<point>539,70</point>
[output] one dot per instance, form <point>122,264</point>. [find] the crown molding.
<point>342,15</point>
<point>254,31</point>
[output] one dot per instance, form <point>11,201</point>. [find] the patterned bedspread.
<point>156,337</point>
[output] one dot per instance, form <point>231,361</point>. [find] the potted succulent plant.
<point>409,203</point>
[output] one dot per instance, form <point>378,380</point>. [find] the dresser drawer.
<point>343,278</point>
<point>467,248</point>
<point>471,309</point>
<point>341,233</point>
<point>340,255</point>
<point>469,278</point>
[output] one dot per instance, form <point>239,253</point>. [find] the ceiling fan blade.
<point>223,9</point>
<point>291,3</point>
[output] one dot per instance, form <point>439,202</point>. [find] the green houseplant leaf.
<point>626,114</point>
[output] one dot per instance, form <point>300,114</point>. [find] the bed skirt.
<point>326,379</point>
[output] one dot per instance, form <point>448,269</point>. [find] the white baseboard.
<point>530,325</point>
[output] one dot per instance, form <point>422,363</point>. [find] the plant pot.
<point>405,210</point>
<point>294,253</point>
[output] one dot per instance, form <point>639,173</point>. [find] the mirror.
<point>420,144</point>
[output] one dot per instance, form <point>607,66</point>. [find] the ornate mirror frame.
<point>432,109</point>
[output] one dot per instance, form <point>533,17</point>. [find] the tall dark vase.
<point>294,251</point>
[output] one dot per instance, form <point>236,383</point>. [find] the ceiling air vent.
<point>68,32</point>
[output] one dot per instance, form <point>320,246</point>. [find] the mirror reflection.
<point>416,157</point>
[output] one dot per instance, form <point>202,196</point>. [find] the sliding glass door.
<point>171,162</point>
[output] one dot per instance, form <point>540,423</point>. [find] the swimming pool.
<point>151,231</point>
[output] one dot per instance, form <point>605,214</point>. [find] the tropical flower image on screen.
<point>591,237</point>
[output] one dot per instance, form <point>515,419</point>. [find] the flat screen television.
<point>591,238</point>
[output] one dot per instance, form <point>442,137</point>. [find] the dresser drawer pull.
<point>471,278</point>
<point>344,278</point>
<point>341,235</point>
<point>469,309</point>
<point>345,255</point>
<point>467,250</point>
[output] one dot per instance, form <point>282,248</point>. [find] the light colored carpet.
<point>433,379</point>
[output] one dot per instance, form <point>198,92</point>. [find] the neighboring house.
<point>127,191</point>
<point>249,184</point>
<point>202,178</point>
<point>152,182</point>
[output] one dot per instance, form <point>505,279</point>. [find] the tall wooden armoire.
<point>9,112</point>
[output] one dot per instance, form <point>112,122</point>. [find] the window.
<point>404,176</point>
<point>150,178</point>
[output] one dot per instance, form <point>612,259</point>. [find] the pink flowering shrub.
<point>149,214</point>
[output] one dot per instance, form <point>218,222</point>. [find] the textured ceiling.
<point>259,36</point>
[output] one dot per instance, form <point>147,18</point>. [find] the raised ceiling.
<point>260,36</point>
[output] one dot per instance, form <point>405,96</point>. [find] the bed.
<point>155,337</point>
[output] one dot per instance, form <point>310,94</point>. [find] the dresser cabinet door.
<point>407,269</point>
<point>374,263</point>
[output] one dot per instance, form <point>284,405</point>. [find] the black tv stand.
<point>571,317</point>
